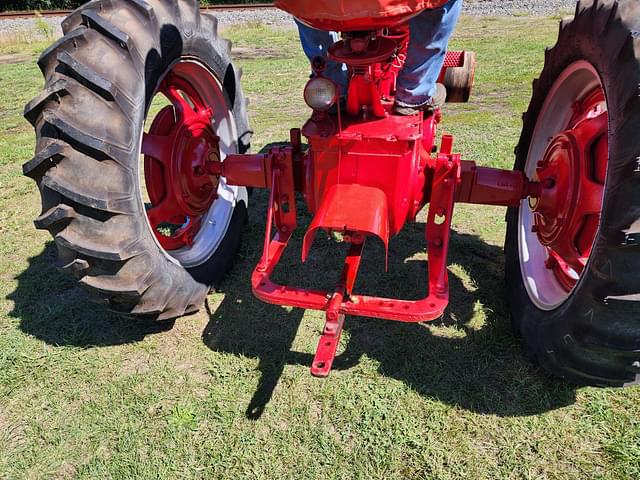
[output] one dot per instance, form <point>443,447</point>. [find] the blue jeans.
<point>428,42</point>
<point>316,43</point>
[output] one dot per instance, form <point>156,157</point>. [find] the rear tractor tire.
<point>573,255</point>
<point>133,216</point>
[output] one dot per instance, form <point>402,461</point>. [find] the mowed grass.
<point>226,393</point>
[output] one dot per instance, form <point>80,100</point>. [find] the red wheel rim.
<point>572,173</point>
<point>180,142</point>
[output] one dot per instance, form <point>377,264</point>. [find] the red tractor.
<point>152,236</point>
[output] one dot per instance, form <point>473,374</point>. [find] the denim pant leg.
<point>430,33</point>
<point>316,43</point>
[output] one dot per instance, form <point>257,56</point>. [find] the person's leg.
<point>429,38</point>
<point>316,43</point>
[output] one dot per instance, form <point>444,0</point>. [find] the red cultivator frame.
<point>364,175</point>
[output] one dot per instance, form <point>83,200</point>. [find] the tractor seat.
<point>355,15</point>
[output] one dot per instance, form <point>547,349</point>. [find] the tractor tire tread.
<point>86,149</point>
<point>594,336</point>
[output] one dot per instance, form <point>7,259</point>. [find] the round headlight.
<point>320,93</point>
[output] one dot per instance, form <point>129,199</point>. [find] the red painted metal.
<point>374,61</point>
<point>336,213</point>
<point>366,174</point>
<point>249,170</point>
<point>355,15</point>
<point>388,73</point>
<point>491,186</point>
<point>446,174</point>
<point>453,60</point>
<point>572,175</point>
<point>363,93</point>
<point>383,153</point>
<point>363,50</point>
<point>177,150</point>
<point>328,342</point>
<point>285,164</point>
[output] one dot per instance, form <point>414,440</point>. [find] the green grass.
<point>227,393</point>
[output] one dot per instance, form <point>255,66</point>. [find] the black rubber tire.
<point>594,336</point>
<point>100,79</point>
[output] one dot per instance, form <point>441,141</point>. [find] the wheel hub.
<point>191,187</point>
<point>179,145</point>
<point>567,213</point>
<point>559,188</point>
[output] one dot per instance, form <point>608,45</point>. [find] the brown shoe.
<point>435,102</point>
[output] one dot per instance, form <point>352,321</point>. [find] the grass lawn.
<point>227,393</point>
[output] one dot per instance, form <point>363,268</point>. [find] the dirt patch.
<point>12,435</point>
<point>256,53</point>
<point>136,363</point>
<point>14,58</point>
<point>65,471</point>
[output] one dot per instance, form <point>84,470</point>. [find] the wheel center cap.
<point>193,189</point>
<point>556,174</point>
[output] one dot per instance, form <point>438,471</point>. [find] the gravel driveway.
<point>27,27</point>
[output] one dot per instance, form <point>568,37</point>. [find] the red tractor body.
<point>355,15</point>
<point>365,174</point>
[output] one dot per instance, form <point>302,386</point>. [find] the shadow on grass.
<point>480,367</point>
<point>52,307</point>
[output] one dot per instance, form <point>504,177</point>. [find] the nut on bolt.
<point>548,183</point>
